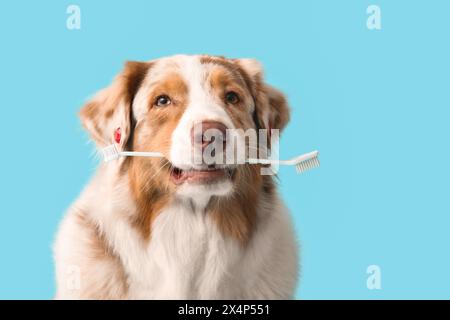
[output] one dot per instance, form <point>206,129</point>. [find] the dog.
<point>168,228</point>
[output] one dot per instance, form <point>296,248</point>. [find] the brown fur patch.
<point>222,80</point>
<point>96,114</point>
<point>279,115</point>
<point>99,257</point>
<point>268,99</point>
<point>232,67</point>
<point>236,214</point>
<point>150,178</point>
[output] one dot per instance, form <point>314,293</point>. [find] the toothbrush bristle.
<point>307,165</point>
<point>110,153</point>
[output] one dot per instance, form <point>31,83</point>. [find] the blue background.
<point>375,103</point>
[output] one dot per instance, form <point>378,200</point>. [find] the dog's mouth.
<point>200,176</point>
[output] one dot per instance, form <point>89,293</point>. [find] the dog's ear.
<point>110,109</point>
<point>272,110</point>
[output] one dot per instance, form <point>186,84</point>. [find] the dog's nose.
<point>207,132</point>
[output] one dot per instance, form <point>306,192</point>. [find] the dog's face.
<point>168,105</point>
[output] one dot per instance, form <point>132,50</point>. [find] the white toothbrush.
<point>111,153</point>
<point>302,163</point>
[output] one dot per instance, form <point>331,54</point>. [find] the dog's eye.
<point>231,97</point>
<point>162,101</point>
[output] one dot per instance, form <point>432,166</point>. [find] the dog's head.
<point>157,104</point>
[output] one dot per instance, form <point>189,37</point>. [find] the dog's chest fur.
<point>187,258</point>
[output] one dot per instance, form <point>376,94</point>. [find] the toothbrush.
<point>302,163</point>
<point>111,153</point>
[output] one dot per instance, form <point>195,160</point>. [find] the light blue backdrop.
<point>375,103</point>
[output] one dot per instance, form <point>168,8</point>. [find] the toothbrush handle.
<point>141,154</point>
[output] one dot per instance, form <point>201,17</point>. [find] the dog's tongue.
<point>203,173</point>
<point>197,175</point>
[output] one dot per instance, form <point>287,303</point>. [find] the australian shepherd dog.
<point>171,227</point>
